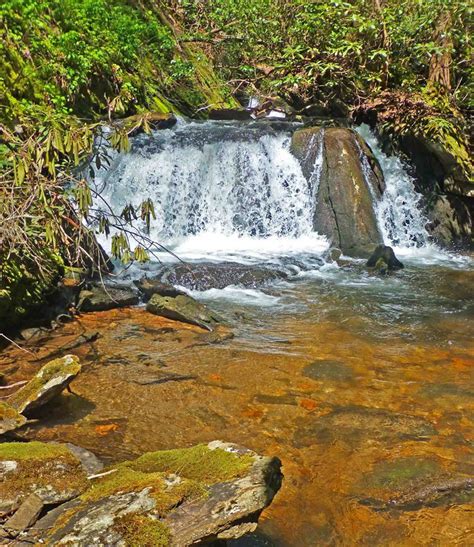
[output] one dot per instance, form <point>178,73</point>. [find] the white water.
<point>224,191</point>
<point>220,191</point>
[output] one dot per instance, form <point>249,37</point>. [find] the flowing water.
<point>361,384</point>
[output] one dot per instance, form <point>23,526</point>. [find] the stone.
<point>48,382</point>
<point>102,298</point>
<point>148,287</point>
<point>413,482</point>
<point>185,309</point>
<point>357,424</point>
<point>349,180</point>
<point>26,515</point>
<point>208,275</point>
<point>50,471</point>
<point>451,219</point>
<point>176,497</point>
<point>10,418</point>
<point>383,259</point>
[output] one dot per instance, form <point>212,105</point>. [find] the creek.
<point>361,384</point>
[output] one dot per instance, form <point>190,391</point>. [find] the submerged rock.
<point>102,298</point>
<point>205,276</point>
<point>49,382</point>
<point>350,179</point>
<point>175,497</point>
<point>359,424</point>
<point>383,259</point>
<point>148,287</point>
<point>183,308</point>
<point>414,482</point>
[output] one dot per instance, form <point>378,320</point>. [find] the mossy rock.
<point>49,382</point>
<point>10,418</point>
<point>49,470</point>
<point>174,497</point>
<point>183,308</point>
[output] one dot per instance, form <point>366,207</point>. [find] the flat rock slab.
<point>49,382</point>
<point>205,276</point>
<point>102,298</point>
<point>183,308</point>
<point>175,497</point>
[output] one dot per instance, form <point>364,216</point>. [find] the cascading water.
<point>399,212</point>
<point>234,191</point>
<point>219,188</point>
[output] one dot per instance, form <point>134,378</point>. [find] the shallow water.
<point>362,385</point>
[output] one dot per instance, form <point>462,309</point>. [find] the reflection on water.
<point>363,386</point>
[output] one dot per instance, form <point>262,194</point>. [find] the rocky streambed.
<point>362,390</point>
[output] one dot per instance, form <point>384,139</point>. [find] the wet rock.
<point>49,382</point>
<point>451,219</point>
<point>359,424</point>
<point>10,418</point>
<point>176,497</point>
<point>205,276</point>
<point>149,287</point>
<point>350,179</point>
<point>414,482</point>
<point>383,259</point>
<point>183,308</point>
<point>102,298</point>
<point>329,370</point>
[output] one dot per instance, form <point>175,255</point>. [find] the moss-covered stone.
<point>46,384</point>
<point>48,470</point>
<point>141,531</point>
<point>10,418</point>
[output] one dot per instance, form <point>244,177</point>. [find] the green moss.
<point>141,531</point>
<point>41,465</point>
<point>33,450</point>
<point>10,418</point>
<point>197,463</point>
<point>68,365</point>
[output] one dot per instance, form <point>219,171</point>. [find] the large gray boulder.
<point>349,180</point>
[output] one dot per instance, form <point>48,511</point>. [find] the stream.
<point>361,384</point>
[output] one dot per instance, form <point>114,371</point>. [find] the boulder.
<point>451,219</point>
<point>347,180</point>
<point>176,497</point>
<point>102,298</point>
<point>148,287</point>
<point>208,275</point>
<point>49,382</point>
<point>183,308</point>
<point>383,259</point>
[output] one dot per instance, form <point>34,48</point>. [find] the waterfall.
<point>399,212</point>
<point>219,187</point>
<point>235,191</point>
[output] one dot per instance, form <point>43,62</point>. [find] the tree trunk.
<point>440,63</point>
